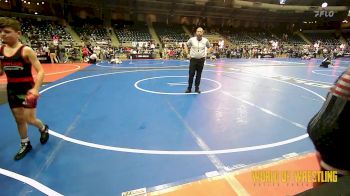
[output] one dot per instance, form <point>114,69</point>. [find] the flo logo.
<point>323,13</point>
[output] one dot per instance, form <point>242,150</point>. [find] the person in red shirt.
<point>86,53</point>
<point>16,60</point>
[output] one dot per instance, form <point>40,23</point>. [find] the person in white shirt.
<point>198,45</point>
<point>93,58</point>
<point>97,50</point>
<point>115,60</point>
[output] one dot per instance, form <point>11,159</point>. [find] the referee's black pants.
<point>196,68</point>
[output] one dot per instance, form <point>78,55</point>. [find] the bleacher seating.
<point>347,37</point>
<point>289,39</point>
<point>133,33</point>
<point>44,30</point>
<point>325,38</point>
<point>264,37</point>
<point>241,38</point>
<point>92,33</point>
<point>170,33</point>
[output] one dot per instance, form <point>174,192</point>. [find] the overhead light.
<point>37,3</point>
<point>324,5</point>
<point>42,2</point>
<point>36,13</point>
<point>345,21</point>
<point>282,2</point>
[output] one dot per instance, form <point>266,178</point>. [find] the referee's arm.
<point>186,49</point>
<point>188,44</point>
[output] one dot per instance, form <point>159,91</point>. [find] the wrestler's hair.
<point>10,22</point>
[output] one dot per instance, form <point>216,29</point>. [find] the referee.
<point>198,45</point>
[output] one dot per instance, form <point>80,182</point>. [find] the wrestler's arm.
<point>30,55</point>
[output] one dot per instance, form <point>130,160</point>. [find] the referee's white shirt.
<point>198,48</point>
